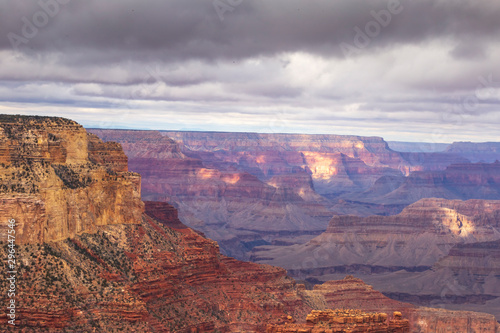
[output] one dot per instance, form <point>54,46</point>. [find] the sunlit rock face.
<point>417,237</point>
<point>250,189</point>
<point>330,159</point>
<point>59,181</point>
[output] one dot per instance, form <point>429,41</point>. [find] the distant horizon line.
<point>285,133</point>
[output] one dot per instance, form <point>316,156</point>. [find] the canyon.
<point>290,185</point>
<point>93,257</point>
<point>235,178</point>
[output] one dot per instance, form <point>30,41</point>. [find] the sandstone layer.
<point>344,321</point>
<point>58,181</point>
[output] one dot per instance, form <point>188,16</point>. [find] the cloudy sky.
<point>418,70</point>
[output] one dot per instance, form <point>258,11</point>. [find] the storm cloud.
<point>404,70</point>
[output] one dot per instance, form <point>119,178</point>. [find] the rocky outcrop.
<point>108,154</point>
<point>58,181</point>
<point>354,321</point>
<point>353,293</point>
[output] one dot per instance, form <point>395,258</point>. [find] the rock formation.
<point>417,237</point>
<point>55,183</point>
<point>457,181</point>
<point>219,198</point>
<point>353,293</point>
<point>289,185</point>
<point>345,321</point>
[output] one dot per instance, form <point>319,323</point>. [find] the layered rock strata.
<point>219,198</point>
<point>414,239</point>
<point>58,181</point>
<point>343,321</point>
<point>289,185</point>
<point>476,152</point>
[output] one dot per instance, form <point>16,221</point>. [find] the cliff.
<point>58,181</point>
<point>416,238</point>
<point>354,321</point>
<point>353,293</point>
<point>289,185</point>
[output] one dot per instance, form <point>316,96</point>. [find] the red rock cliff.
<point>58,181</point>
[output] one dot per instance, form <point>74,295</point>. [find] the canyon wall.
<point>219,198</point>
<point>159,275</point>
<point>58,181</point>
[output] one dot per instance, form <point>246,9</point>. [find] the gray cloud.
<point>182,29</point>
<point>433,64</point>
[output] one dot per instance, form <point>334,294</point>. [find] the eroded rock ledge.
<point>58,181</point>
<point>344,321</point>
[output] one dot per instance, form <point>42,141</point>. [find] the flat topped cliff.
<point>318,142</point>
<point>57,180</point>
